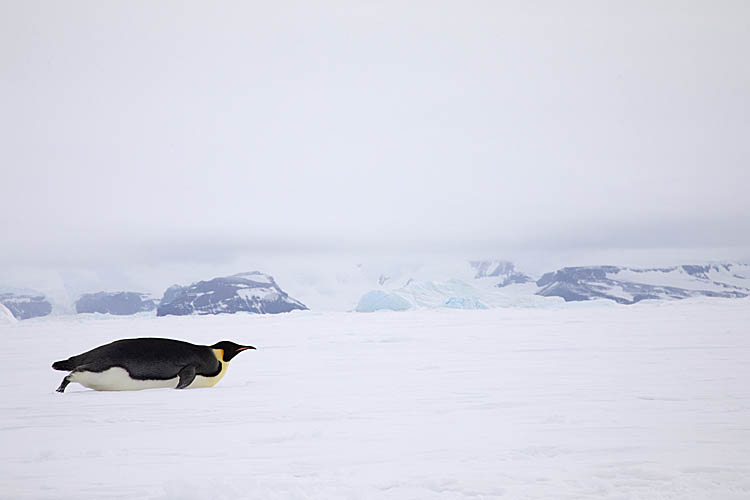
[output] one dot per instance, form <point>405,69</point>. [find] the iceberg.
<point>377,300</point>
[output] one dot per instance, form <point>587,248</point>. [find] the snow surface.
<point>259,292</point>
<point>585,400</point>
<point>255,276</point>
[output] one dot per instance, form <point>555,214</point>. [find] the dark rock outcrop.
<point>25,306</point>
<point>119,303</point>
<point>250,292</point>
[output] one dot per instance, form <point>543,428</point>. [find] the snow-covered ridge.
<point>253,292</point>
<point>255,277</point>
<point>630,285</point>
<point>504,270</point>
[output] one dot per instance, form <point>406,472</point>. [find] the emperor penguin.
<point>146,363</point>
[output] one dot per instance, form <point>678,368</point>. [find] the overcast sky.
<point>143,132</point>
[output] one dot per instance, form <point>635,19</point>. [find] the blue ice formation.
<point>465,303</point>
<point>377,300</point>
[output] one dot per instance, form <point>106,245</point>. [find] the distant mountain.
<point>438,284</point>
<point>119,303</point>
<point>630,285</point>
<point>621,284</point>
<point>503,270</point>
<point>26,305</point>
<point>252,292</point>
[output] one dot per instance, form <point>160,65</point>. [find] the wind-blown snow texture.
<point>588,400</point>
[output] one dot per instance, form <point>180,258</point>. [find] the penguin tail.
<point>65,365</point>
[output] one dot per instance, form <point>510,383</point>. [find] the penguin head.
<point>230,349</point>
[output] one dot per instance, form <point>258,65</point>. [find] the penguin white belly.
<point>118,379</point>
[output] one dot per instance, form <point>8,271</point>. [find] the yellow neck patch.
<point>219,353</point>
<point>201,381</point>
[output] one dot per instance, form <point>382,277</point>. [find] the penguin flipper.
<point>67,380</point>
<point>187,375</point>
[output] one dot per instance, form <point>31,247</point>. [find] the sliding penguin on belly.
<point>147,363</point>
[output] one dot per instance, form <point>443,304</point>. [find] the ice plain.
<point>582,400</point>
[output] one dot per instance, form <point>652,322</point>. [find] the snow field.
<point>589,400</point>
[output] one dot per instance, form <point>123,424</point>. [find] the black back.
<point>148,358</point>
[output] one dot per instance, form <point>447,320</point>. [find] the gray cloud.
<point>140,133</point>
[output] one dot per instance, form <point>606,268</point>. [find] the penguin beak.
<point>245,348</point>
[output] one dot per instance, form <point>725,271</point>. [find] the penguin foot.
<point>63,385</point>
